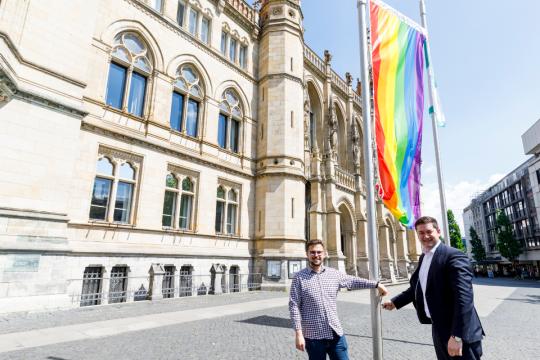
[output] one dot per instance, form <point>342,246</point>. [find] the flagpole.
<point>373,248</point>
<point>432,94</point>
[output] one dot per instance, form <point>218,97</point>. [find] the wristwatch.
<point>457,338</point>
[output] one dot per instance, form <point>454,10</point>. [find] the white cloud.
<point>458,196</point>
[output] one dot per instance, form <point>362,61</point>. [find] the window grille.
<point>118,285</point>
<point>91,286</point>
<point>168,282</point>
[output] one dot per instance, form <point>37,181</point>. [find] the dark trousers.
<point>336,348</point>
<point>470,351</point>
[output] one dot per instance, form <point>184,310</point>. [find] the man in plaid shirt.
<point>313,307</point>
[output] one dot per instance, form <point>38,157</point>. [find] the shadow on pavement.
<point>394,340</point>
<point>274,321</point>
<point>530,299</point>
<point>266,320</point>
<point>55,358</point>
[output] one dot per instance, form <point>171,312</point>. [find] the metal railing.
<point>98,290</point>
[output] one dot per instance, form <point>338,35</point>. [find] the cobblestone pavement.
<point>510,307</point>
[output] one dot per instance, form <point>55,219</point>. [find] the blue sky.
<point>486,56</point>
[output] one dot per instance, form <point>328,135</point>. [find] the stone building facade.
<point>145,143</point>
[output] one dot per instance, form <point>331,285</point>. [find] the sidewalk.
<point>25,331</point>
<point>17,322</point>
<point>255,325</point>
<point>96,329</point>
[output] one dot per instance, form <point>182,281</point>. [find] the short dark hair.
<point>424,220</point>
<point>314,242</point>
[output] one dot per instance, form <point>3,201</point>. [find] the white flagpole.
<point>432,94</point>
<point>373,249</point>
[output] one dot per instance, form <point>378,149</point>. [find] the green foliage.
<point>508,245</point>
<point>455,233</point>
<point>477,249</point>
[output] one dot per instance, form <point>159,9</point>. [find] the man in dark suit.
<point>441,291</point>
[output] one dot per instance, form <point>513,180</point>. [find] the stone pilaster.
<point>156,281</point>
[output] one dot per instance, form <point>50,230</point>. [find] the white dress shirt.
<point>423,274</point>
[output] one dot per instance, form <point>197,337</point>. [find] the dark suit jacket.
<point>449,295</point>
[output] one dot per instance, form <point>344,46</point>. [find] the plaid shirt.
<point>312,301</point>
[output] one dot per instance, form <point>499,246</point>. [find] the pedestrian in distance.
<point>441,291</point>
<point>313,305</point>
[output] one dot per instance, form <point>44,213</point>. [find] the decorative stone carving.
<point>348,77</point>
<point>332,128</point>
<point>135,160</point>
<point>278,10</point>
<point>327,56</point>
<point>355,143</point>
<point>221,6</point>
<point>307,108</point>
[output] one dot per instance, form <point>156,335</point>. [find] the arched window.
<point>230,117</point>
<point>186,101</point>
<point>232,208</point>
<point>186,204</point>
<point>169,203</point>
<point>226,210</point>
<point>184,207</point>
<point>102,189</point>
<point>124,193</point>
<point>220,209</point>
<point>113,185</point>
<point>130,68</point>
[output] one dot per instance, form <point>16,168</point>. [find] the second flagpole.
<point>432,94</point>
<point>373,247</point>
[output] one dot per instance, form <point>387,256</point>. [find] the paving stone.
<point>512,331</point>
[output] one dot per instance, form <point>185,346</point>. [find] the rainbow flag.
<point>398,81</point>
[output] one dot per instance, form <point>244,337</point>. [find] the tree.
<point>477,248</point>
<point>455,233</point>
<point>508,245</point>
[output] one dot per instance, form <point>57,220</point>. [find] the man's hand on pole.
<point>382,290</point>
<point>388,305</point>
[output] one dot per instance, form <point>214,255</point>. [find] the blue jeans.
<point>336,348</point>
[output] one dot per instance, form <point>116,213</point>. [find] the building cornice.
<point>163,149</point>
<point>282,75</point>
<point>35,66</point>
<point>7,87</point>
<point>282,174</point>
<point>32,214</point>
<point>50,103</point>
<point>10,89</point>
<point>165,253</point>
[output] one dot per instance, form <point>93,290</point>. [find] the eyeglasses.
<point>315,253</point>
